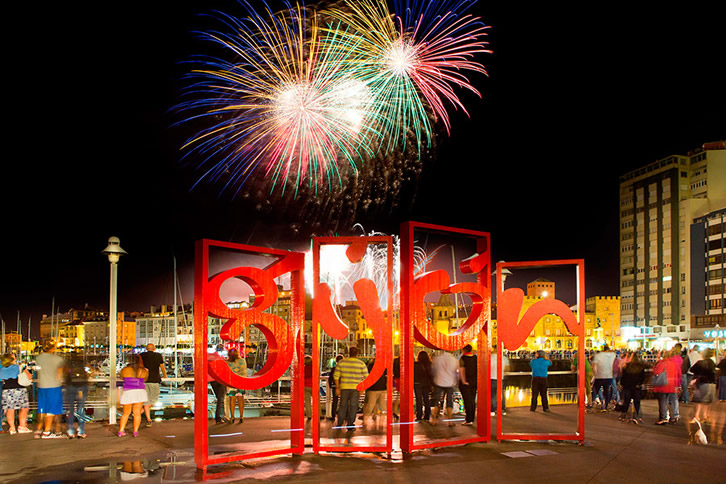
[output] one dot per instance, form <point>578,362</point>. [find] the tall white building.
<point>659,203</point>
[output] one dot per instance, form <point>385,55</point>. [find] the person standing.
<point>308,384</point>
<point>332,389</point>
<point>666,393</point>
<point>632,380</point>
<point>50,394</point>
<point>493,380</point>
<point>348,374</point>
<point>75,378</point>
<point>693,356</point>
<point>685,367</point>
<point>133,394</point>
<point>468,383</point>
<point>445,370</point>
<point>722,378</point>
<point>217,387</point>
<point>704,385</point>
<point>238,365</point>
<point>602,367</point>
<point>539,368</point>
<point>14,395</point>
<point>153,362</point>
<point>375,396</point>
<point>588,377</point>
<point>422,381</point>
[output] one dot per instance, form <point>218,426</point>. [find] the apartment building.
<point>659,203</point>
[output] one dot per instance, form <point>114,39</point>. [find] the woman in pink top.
<point>133,395</point>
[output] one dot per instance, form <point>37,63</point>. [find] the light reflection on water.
<point>521,397</point>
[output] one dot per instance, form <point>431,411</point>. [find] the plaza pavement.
<point>613,452</point>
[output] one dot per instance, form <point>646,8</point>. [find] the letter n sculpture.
<point>515,325</point>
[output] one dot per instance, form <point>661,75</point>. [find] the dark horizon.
<point>572,101</point>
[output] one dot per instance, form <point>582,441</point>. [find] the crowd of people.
<point>436,380</point>
<point>613,381</point>
<point>676,377</point>
<point>62,386</point>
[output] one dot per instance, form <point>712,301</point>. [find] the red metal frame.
<point>512,331</point>
<point>325,318</point>
<point>415,326</point>
<point>285,342</point>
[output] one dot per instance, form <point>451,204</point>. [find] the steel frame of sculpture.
<point>416,326</point>
<point>285,342</point>
<point>326,319</point>
<point>513,327</point>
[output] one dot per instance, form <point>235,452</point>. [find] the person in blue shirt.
<point>539,380</point>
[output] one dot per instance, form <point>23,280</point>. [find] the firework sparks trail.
<point>286,107</point>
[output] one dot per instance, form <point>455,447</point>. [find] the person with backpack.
<point>666,381</point>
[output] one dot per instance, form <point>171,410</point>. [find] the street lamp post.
<point>114,252</point>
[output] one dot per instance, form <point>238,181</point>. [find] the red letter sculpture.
<point>325,316</point>
<point>513,329</point>
<point>284,340</point>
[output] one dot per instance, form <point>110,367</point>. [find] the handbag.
<point>659,380</point>
<point>24,379</point>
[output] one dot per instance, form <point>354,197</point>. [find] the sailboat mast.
<point>176,327</point>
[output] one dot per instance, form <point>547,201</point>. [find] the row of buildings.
<point>672,277</point>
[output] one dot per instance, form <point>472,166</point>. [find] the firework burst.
<point>285,108</point>
<point>414,59</point>
<point>329,102</point>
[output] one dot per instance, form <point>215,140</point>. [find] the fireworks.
<point>414,59</point>
<point>296,103</point>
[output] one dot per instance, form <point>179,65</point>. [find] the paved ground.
<point>613,452</point>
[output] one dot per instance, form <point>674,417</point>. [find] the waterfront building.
<point>157,327</point>
<point>50,326</point>
<point>602,322</point>
<point>95,332</point>
<point>659,205</point>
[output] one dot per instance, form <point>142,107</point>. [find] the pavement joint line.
<point>643,430</point>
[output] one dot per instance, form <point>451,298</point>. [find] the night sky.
<point>576,96</point>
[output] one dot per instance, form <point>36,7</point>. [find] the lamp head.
<point>114,250</point>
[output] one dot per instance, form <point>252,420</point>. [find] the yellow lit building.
<point>602,322</point>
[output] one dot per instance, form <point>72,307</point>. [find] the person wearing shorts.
<point>153,362</point>
<point>50,394</point>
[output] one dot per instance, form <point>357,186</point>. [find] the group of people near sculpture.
<point>679,376</point>
<point>615,380</point>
